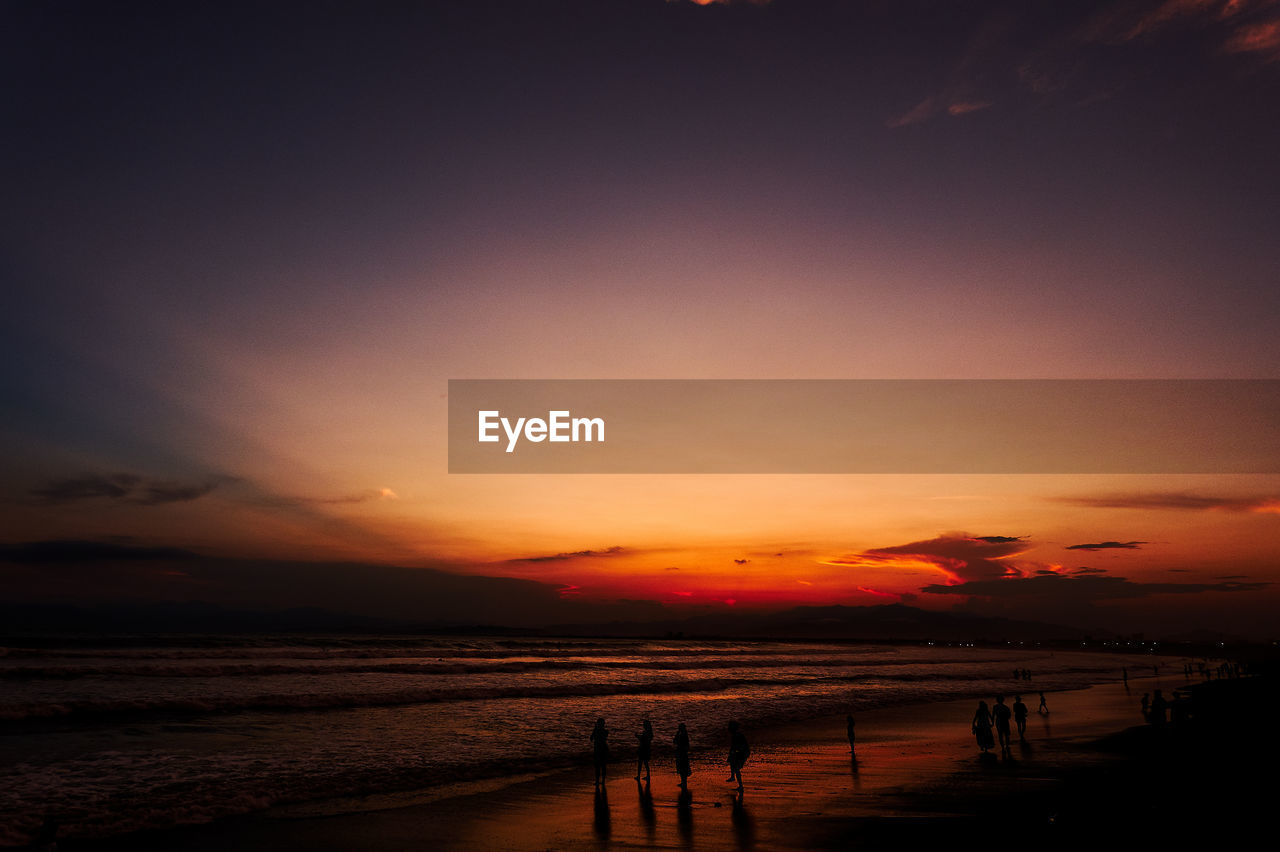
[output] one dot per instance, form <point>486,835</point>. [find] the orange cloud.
<point>965,107</point>
<point>1262,37</point>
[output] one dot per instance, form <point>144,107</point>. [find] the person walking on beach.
<point>1043,709</point>
<point>600,749</point>
<point>982,727</point>
<point>848,729</point>
<point>1020,717</point>
<point>739,751</point>
<point>1001,715</point>
<point>1146,706</point>
<point>682,756</point>
<point>646,746</point>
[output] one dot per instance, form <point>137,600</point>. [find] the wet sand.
<point>917,777</point>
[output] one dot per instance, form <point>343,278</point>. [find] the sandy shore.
<point>917,775</point>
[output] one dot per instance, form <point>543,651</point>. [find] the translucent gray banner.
<point>864,426</point>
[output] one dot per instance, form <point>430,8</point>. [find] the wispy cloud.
<point>966,107</point>
<point>1261,38</point>
<point>367,496</point>
<point>1109,545</point>
<point>1180,501</point>
<point>1128,21</point>
<point>1230,26</point>
<point>124,488</point>
<point>287,501</point>
<point>1082,571</point>
<point>576,554</point>
<point>1011,55</point>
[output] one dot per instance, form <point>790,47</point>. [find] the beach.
<point>918,775</point>
<point>114,737</point>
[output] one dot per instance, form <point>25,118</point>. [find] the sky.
<point>246,245</point>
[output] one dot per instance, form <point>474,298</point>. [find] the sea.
<point>116,736</point>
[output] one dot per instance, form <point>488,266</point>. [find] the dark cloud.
<point>87,487</point>
<point>122,487</point>
<point>1109,545</point>
<point>1011,56</point>
<point>156,493</point>
<point>440,594</point>
<point>577,554</point>
<point>1082,570</point>
<point>288,500</point>
<point>1184,501</point>
<point>961,555</point>
<point>1082,588</point>
<point>1231,26</point>
<point>77,551</point>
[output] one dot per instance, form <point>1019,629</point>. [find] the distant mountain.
<point>192,617</point>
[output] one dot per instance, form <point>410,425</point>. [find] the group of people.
<point>1002,718</point>
<point>739,751</point>
<point>998,717</point>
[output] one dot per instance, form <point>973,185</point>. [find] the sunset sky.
<point>245,247</point>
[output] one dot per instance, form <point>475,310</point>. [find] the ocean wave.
<point>498,666</point>
<point>90,708</point>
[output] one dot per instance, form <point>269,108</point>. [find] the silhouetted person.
<point>848,729</point>
<point>982,727</point>
<point>646,746</point>
<point>1159,707</point>
<point>1146,706</point>
<point>1043,709</point>
<point>1000,713</point>
<point>1124,673</point>
<point>682,756</point>
<point>600,749</point>
<point>739,751</point>
<point>1020,712</point>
